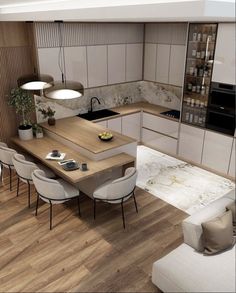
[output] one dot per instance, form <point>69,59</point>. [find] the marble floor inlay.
<point>181,184</point>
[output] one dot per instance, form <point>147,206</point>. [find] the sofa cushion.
<point>192,226</point>
<point>186,270</point>
<point>218,233</point>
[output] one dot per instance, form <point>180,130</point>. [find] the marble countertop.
<point>137,107</point>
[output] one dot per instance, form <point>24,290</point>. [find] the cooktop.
<point>172,114</point>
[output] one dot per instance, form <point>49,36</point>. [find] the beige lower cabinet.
<point>217,151</point>
<point>102,123</point>
<point>131,125</point>
<point>115,124</point>
<point>191,143</point>
<point>232,161</point>
<point>159,141</point>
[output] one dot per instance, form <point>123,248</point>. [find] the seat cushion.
<point>70,190</point>
<point>192,226</point>
<point>186,270</point>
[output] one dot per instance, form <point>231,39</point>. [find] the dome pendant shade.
<point>35,82</point>
<point>64,90</point>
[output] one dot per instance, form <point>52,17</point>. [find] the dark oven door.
<point>222,96</point>
<point>221,122</point>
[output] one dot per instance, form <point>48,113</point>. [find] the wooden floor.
<point>81,254</point>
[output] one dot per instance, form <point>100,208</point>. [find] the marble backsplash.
<point>112,96</point>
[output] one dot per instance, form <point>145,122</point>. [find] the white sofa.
<point>185,269</point>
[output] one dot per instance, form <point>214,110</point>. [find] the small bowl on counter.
<point>105,136</point>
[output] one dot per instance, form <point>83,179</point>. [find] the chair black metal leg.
<point>136,207</point>
<point>94,208</point>
<point>10,178</point>
<point>50,215</point>
<point>123,215</point>
<point>1,169</point>
<point>37,205</point>
<point>18,186</point>
<point>28,195</point>
<point>78,202</point>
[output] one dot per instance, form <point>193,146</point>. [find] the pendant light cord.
<point>60,57</point>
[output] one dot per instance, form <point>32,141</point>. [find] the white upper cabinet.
<point>232,161</point>
<point>116,64</point>
<point>134,62</point>
<point>216,151</point>
<point>75,64</point>
<point>224,63</point>
<point>191,143</point>
<point>150,55</point>
<point>177,65</point>
<point>97,65</point>
<point>162,63</point>
<point>48,62</point>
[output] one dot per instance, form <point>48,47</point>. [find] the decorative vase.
<point>51,121</point>
<point>39,134</point>
<point>25,132</point>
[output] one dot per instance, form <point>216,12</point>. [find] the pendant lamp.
<point>35,82</point>
<point>63,89</point>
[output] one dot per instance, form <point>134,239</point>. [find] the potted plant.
<point>48,113</point>
<point>37,130</point>
<point>23,102</point>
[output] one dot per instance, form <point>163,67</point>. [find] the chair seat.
<point>70,190</point>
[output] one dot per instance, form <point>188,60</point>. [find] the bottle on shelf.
<point>195,34</point>
<point>199,36</point>
<point>204,35</point>
<point>201,71</point>
<point>195,71</point>
<point>203,90</point>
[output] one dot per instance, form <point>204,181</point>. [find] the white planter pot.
<point>25,134</point>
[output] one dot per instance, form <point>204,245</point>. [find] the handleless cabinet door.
<point>116,64</point>
<point>216,151</point>
<point>191,143</point>
<point>162,63</point>
<point>76,66</point>
<point>177,65</point>
<point>114,124</point>
<point>102,123</point>
<point>97,65</point>
<point>48,62</point>
<point>150,62</point>
<point>131,125</point>
<point>232,161</point>
<point>224,61</point>
<point>134,62</point>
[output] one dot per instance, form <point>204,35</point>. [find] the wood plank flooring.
<point>80,254</point>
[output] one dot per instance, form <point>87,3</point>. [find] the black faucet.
<point>91,103</point>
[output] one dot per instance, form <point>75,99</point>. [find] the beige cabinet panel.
<point>162,63</point>
<point>150,55</point>
<point>134,62</point>
<point>75,64</point>
<point>97,65</point>
<point>115,124</point>
<point>116,64</point>
<point>216,151</point>
<point>232,170</point>
<point>177,65</point>
<point>102,123</point>
<point>131,125</point>
<point>191,143</point>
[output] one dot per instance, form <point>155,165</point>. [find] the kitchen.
<point>157,80</point>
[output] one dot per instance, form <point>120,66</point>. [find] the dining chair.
<point>24,169</point>
<point>3,144</point>
<point>117,191</point>
<point>53,191</point>
<point>6,155</point>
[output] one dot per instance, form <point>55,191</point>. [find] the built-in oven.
<point>221,108</point>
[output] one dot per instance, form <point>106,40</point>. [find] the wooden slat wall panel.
<point>85,34</point>
<point>15,60</point>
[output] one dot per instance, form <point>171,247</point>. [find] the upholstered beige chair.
<point>24,171</point>
<point>3,144</point>
<point>117,191</point>
<point>6,155</point>
<point>53,191</point>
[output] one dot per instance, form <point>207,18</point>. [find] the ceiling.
<point>117,10</point>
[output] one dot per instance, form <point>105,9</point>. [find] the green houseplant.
<point>37,130</point>
<point>23,102</point>
<point>48,113</point>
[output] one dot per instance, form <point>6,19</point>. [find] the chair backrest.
<point>46,187</point>
<point>6,155</point>
<point>123,186</point>
<point>23,168</point>
<point>3,144</point>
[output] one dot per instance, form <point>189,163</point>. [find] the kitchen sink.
<point>98,114</point>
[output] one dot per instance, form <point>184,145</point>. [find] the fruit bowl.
<point>105,136</point>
